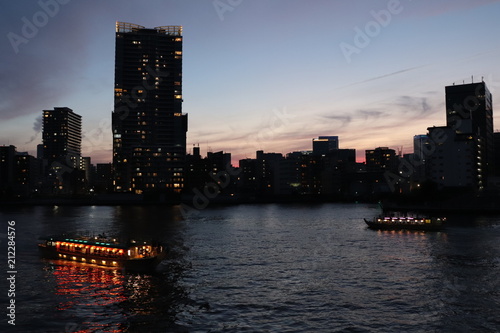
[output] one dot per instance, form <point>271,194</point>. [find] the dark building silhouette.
<point>27,174</point>
<point>149,129</point>
<point>103,179</point>
<point>260,176</point>
<point>301,174</point>
<point>39,151</point>
<point>453,162</point>
<point>381,159</point>
<point>62,140</point>
<point>325,144</point>
<point>62,137</point>
<point>463,151</point>
<point>496,162</point>
<point>212,176</point>
<point>469,111</point>
<point>19,173</point>
<point>7,170</point>
<point>419,142</point>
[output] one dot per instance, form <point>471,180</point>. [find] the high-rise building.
<point>469,110</point>
<point>149,129</point>
<point>62,137</point>
<point>496,158</point>
<point>419,142</point>
<point>452,163</point>
<point>462,153</point>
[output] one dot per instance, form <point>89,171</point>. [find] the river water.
<point>258,268</point>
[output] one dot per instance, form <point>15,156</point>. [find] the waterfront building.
<point>469,111</point>
<point>463,151</point>
<point>27,174</point>
<point>19,173</point>
<point>62,138</point>
<point>453,161</point>
<point>102,181</point>
<point>149,128</point>
<point>496,158</point>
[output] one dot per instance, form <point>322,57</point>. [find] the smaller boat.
<point>103,251</point>
<point>406,223</point>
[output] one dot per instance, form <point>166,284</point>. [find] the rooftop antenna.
<point>472,78</point>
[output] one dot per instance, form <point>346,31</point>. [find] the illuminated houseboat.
<point>406,223</point>
<point>108,252</point>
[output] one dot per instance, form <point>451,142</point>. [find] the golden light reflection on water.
<point>93,295</point>
<point>104,299</point>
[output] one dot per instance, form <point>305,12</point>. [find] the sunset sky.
<point>257,74</point>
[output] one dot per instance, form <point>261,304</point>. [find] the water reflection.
<point>91,298</point>
<point>262,268</point>
<point>90,295</point>
<point>467,264</point>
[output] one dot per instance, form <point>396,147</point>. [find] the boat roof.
<point>90,241</point>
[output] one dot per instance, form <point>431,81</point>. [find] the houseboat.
<point>102,251</point>
<point>406,223</point>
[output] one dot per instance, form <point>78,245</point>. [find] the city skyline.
<point>257,76</point>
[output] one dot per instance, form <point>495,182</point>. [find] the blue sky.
<point>258,74</point>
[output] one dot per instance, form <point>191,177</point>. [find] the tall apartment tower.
<point>463,154</point>
<point>469,111</point>
<point>62,137</point>
<point>149,129</point>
